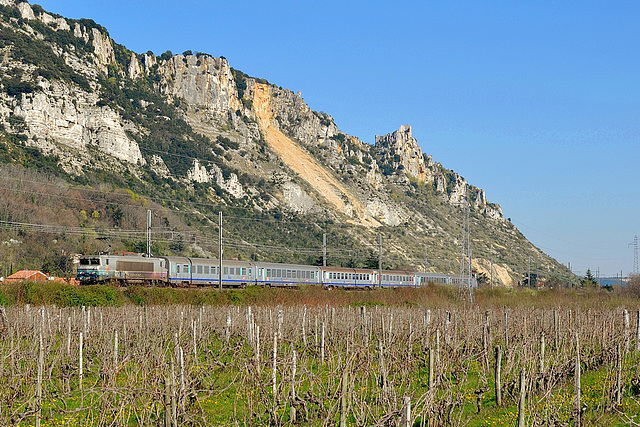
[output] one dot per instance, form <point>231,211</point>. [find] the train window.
<point>279,272</point>
<point>186,268</point>
<point>206,269</point>
<point>199,269</point>
<point>106,261</point>
<point>232,271</point>
<point>225,270</point>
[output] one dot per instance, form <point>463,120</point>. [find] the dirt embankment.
<point>303,164</point>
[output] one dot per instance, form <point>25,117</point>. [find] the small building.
<point>27,276</point>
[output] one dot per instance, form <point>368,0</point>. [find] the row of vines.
<point>361,366</point>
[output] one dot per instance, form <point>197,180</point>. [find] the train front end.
<point>92,269</point>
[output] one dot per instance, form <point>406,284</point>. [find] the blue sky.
<point>536,102</point>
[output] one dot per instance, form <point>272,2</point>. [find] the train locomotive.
<point>126,268</point>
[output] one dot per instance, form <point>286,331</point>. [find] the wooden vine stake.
<point>627,337</point>
<point>39,384</point>
<point>638,330</point>
<point>497,376</point>
<point>431,368</point>
<point>523,397</point>
<point>406,412</point>
<point>115,349</point>
<point>343,397</point>
<point>618,375</point>
<point>577,390</point>
<point>555,329</point>
<point>275,358</point>
<point>293,386</point>
<point>80,361</point>
<point>322,345</point>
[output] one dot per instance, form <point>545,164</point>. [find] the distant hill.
<point>93,134</point>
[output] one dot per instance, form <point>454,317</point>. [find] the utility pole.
<point>149,232</point>
<point>469,277</point>
<point>426,258</point>
<point>380,260</point>
<point>529,274</point>
<point>635,254</point>
<point>324,249</point>
<point>491,271</point>
<point>220,253</point>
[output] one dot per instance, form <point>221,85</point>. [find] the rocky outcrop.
<point>400,152</point>
<point>135,69</point>
<point>202,81</point>
<point>400,149</point>
<point>103,48</point>
<point>56,119</point>
<point>292,115</point>
<point>199,173</point>
<point>25,11</point>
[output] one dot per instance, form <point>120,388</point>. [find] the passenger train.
<point>125,269</point>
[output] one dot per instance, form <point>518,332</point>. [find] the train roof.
<point>349,269</point>
<point>285,266</point>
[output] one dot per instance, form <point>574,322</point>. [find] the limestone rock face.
<point>231,185</point>
<point>135,69</point>
<point>201,81</point>
<point>402,154</point>
<point>400,148</point>
<point>293,116</point>
<point>384,213</point>
<point>80,32</point>
<point>58,118</point>
<point>25,11</point>
<point>57,23</point>
<point>102,47</point>
<point>297,199</point>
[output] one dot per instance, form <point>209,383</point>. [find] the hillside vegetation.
<point>92,135</point>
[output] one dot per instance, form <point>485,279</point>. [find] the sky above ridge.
<point>538,103</point>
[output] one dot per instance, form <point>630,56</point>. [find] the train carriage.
<point>185,271</point>
<point>273,274</point>
<point>348,277</point>
<point>398,278</point>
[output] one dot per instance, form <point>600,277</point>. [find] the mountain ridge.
<point>190,123</point>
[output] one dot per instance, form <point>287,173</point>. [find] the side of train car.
<point>188,272</point>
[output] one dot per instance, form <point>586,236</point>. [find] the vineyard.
<point>282,365</point>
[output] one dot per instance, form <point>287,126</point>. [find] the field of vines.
<point>295,365</point>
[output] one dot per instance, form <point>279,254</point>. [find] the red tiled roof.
<point>35,275</point>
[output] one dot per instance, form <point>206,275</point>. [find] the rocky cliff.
<point>192,127</point>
